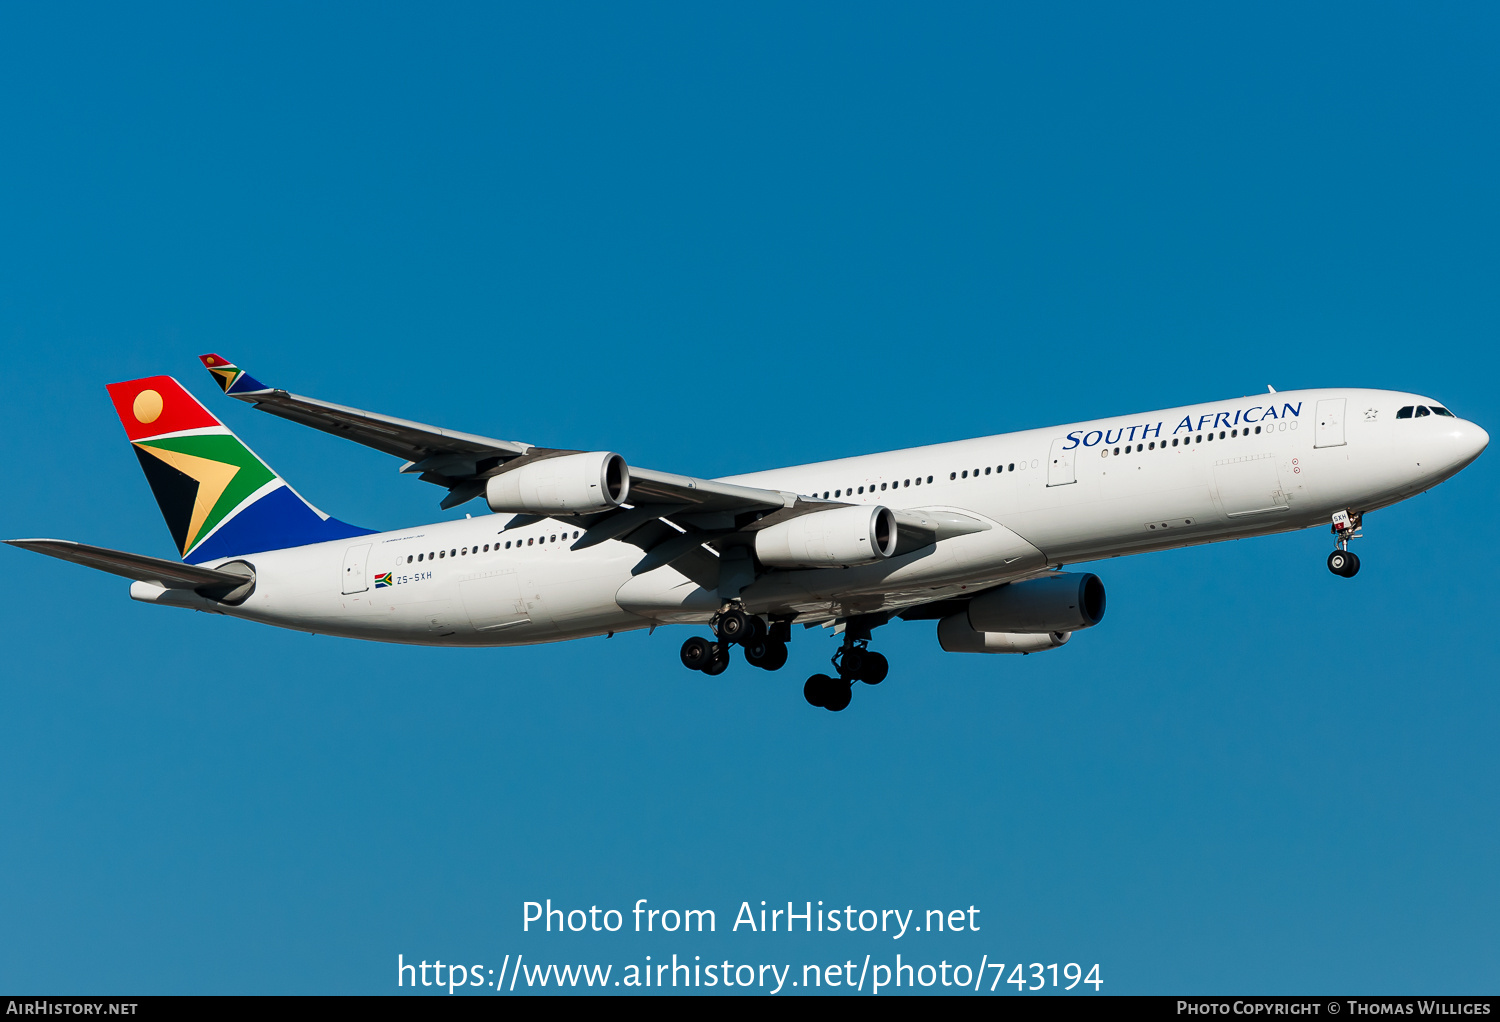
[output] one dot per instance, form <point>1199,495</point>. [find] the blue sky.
<point>718,241</point>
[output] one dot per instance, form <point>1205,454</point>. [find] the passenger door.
<point>1330,425</point>
<point>354,569</point>
<point>1060,470</point>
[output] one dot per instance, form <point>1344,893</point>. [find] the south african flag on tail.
<point>218,498</point>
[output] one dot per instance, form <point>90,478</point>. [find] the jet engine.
<point>839,537</point>
<point>1060,603</point>
<point>570,484</point>
<point>955,636</point>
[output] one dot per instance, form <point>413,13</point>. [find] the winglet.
<point>231,379</point>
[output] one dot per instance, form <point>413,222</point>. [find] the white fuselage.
<point>1062,495</point>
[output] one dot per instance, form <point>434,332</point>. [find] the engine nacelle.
<point>839,537</point>
<point>570,484</point>
<point>1061,603</point>
<point>955,636</point>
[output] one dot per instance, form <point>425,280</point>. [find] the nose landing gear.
<point>1343,561</point>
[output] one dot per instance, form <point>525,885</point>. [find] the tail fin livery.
<point>231,379</point>
<point>218,498</point>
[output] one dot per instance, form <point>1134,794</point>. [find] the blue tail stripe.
<point>279,519</point>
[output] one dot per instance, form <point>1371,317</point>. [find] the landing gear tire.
<point>734,625</point>
<point>697,653</point>
<point>856,663</point>
<point>830,693</point>
<point>852,663</point>
<point>815,690</point>
<point>837,695</point>
<point>1344,563</point>
<point>767,654</point>
<point>720,662</point>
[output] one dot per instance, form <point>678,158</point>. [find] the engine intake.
<point>955,636</point>
<point>1061,603</point>
<point>570,484</point>
<point>840,537</point>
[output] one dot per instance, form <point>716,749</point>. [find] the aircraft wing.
<point>462,462</point>
<point>137,567</point>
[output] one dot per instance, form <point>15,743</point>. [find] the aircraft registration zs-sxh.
<point>972,534</point>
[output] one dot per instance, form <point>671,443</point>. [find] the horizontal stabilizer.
<point>138,567</point>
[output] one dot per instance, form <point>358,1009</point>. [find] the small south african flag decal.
<point>383,581</point>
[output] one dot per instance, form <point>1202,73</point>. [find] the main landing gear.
<point>854,661</point>
<point>1343,561</point>
<point>764,647</point>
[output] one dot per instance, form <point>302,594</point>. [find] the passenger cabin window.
<point>1404,413</point>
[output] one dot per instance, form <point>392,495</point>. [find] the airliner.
<point>973,534</point>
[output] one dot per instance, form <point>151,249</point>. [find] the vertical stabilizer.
<point>218,498</point>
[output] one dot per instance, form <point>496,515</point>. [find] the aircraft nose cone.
<point>1477,439</point>
<point>1466,442</point>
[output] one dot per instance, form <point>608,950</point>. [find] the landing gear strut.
<point>854,661</point>
<point>1343,561</point>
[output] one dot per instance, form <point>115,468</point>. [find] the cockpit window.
<point>1404,413</point>
<point>1442,411</point>
<point>1422,410</point>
